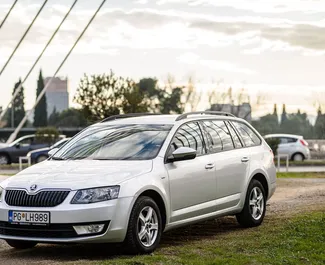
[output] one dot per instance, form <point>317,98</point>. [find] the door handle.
<point>209,166</point>
<point>245,159</point>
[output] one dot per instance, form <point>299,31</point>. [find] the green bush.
<point>47,135</point>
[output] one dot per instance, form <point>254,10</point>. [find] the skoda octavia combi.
<point>130,178</point>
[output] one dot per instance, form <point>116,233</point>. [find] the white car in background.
<point>292,145</point>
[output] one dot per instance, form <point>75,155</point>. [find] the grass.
<point>294,241</point>
<point>301,174</point>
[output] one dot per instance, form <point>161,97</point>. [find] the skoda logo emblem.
<point>33,187</point>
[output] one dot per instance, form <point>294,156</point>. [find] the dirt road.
<point>292,195</point>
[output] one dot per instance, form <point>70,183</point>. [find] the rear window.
<point>249,137</point>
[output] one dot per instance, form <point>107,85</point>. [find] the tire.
<point>41,158</point>
<point>4,159</point>
<point>253,215</point>
<point>19,244</point>
<point>298,157</point>
<point>134,243</point>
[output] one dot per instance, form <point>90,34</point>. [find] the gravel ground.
<point>292,196</point>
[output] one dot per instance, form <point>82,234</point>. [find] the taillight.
<point>303,142</point>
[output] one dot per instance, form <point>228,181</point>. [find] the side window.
<point>234,136</point>
<point>26,142</point>
<point>248,135</point>
<point>188,135</point>
<point>219,138</point>
<point>288,140</point>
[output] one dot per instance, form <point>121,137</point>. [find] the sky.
<point>274,49</point>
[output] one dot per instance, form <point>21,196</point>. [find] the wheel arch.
<point>158,196</point>
<point>153,194</point>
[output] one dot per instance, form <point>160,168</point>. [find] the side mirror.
<point>182,153</point>
<point>52,151</point>
<point>17,145</point>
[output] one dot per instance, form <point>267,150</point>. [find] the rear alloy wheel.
<point>4,159</point>
<point>298,157</point>
<point>19,244</point>
<point>145,227</point>
<point>255,206</point>
<point>41,158</point>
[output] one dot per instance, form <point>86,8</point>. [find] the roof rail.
<point>184,116</point>
<point>129,115</point>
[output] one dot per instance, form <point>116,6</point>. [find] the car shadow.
<point>75,252</point>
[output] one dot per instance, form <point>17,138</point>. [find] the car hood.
<point>78,174</point>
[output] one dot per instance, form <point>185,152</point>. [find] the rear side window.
<point>219,138</point>
<point>234,136</point>
<point>249,137</point>
<point>188,135</point>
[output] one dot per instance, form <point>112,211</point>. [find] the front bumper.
<point>114,214</point>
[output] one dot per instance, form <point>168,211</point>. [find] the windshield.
<point>127,142</point>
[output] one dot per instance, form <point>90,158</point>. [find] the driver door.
<point>192,182</point>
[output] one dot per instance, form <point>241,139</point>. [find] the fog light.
<point>89,229</point>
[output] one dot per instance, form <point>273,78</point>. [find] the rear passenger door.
<point>231,161</point>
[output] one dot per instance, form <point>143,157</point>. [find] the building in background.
<point>243,111</point>
<point>57,95</point>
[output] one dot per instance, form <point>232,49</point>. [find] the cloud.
<point>194,59</point>
<point>274,6</point>
<point>155,29</point>
<point>301,35</point>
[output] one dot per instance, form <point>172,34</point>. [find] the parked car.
<point>10,153</point>
<point>292,145</point>
<point>40,155</point>
<point>128,179</point>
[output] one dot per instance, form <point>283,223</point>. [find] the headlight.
<point>96,195</point>
<point>1,191</point>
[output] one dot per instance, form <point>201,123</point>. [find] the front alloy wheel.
<point>144,228</point>
<point>148,226</point>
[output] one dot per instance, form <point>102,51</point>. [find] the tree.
<point>68,118</point>
<point>319,129</point>
<point>284,115</point>
<point>192,95</point>
<point>17,110</point>
<point>54,117</point>
<point>133,99</point>
<point>40,114</point>
<point>100,95</point>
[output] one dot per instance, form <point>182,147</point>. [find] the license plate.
<point>24,217</point>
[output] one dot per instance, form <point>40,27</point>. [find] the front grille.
<point>52,231</point>
<point>41,199</point>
